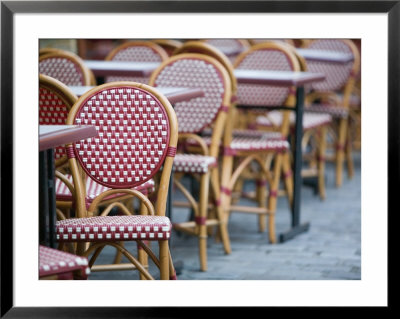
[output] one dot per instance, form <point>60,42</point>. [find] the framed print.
<point>25,23</point>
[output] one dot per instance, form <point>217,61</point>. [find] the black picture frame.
<point>9,8</point>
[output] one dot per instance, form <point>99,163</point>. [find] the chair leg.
<point>142,256</point>
<point>201,220</point>
<point>222,220</point>
<point>288,176</point>
<point>340,147</point>
<point>321,162</point>
<point>273,194</point>
<point>262,201</point>
<point>164,258</point>
<point>349,157</point>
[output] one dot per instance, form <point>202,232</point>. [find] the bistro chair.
<point>59,265</point>
<point>44,51</point>
<point>333,95</point>
<point>55,102</point>
<point>198,155</point>
<point>169,45</point>
<point>270,150</point>
<point>66,67</point>
<point>137,51</point>
<point>231,47</point>
<point>137,138</point>
<point>314,136</point>
<point>259,40</point>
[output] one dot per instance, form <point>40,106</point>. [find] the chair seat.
<point>251,140</point>
<point>193,163</point>
<point>251,144</point>
<point>113,228</point>
<point>60,263</point>
<point>334,111</point>
<point>310,120</point>
<point>94,189</point>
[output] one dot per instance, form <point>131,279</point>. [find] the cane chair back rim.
<point>290,55</point>
<point>44,51</point>
<point>67,95</point>
<point>167,110</point>
<point>226,100</point>
<point>152,45</point>
<point>64,93</point>
<point>208,49</point>
<point>256,41</point>
<point>242,42</point>
<point>356,64</point>
<point>168,44</point>
<point>88,78</point>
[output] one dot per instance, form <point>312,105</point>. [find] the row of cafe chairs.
<point>201,144</point>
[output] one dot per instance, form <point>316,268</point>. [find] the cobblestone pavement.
<point>329,250</point>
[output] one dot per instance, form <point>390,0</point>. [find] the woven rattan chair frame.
<point>342,96</point>
<point>158,55</point>
<point>210,50</point>
<point>272,161</point>
<point>169,45</point>
<point>242,44</point>
<point>164,261</point>
<point>316,138</point>
<point>203,219</point>
<point>44,51</point>
<point>257,41</point>
<point>66,96</point>
<point>86,76</point>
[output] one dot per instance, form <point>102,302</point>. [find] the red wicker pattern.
<point>135,53</point>
<point>94,189</point>
<point>198,113</point>
<point>310,120</point>
<point>263,95</point>
<point>336,74</point>
<point>62,69</point>
<point>52,111</point>
<point>111,228</point>
<point>244,144</point>
<point>133,134</point>
<point>334,111</point>
<point>56,262</point>
<point>231,43</point>
<point>193,163</point>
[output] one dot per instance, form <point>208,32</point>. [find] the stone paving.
<point>329,250</point>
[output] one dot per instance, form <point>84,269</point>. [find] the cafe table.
<point>173,94</point>
<point>51,136</point>
<point>325,55</point>
<point>287,78</point>
<point>102,68</point>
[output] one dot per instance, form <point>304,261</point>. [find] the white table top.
<point>325,56</point>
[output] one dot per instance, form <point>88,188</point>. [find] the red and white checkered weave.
<point>244,144</point>
<point>336,74</point>
<point>62,69</point>
<point>94,189</point>
<point>310,120</point>
<point>198,113</point>
<point>258,94</point>
<point>133,136</point>
<point>112,228</point>
<point>57,262</point>
<point>334,111</point>
<point>233,44</point>
<point>138,54</point>
<point>52,111</point>
<point>193,163</point>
